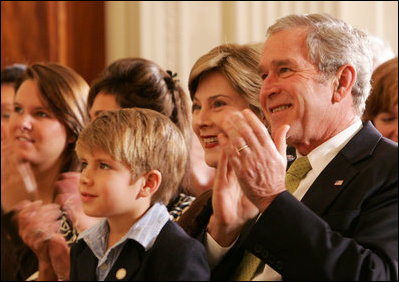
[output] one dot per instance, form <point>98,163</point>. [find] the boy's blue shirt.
<point>144,231</point>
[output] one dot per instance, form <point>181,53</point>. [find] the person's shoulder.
<point>388,144</point>
<point>377,164</point>
<point>386,150</point>
<point>174,230</point>
<point>178,256</point>
<point>178,247</point>
<point>369,143</point>
<point>173,237</point>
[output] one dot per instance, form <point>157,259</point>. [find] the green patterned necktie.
<point>247,268</point>
<point>250,263</point>
<point>297,171</point>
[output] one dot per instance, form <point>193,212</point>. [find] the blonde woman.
<point>224,79</point>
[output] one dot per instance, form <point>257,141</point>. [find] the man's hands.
<point>260,167</point>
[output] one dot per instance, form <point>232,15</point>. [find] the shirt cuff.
<point>215,251</point>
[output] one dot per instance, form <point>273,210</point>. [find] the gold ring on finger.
<point>242,148</point>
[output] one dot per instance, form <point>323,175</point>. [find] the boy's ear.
<point>344,80</point>
<point>152,182</point>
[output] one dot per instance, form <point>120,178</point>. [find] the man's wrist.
<point>265,203</point>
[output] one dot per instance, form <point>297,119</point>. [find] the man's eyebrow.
<point>277,63</point>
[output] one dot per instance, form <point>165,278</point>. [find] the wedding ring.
<point>242,148</point>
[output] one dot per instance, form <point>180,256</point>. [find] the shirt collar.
<point>144,231</point>
<point>324,153</point>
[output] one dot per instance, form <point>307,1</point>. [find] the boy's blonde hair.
<point>142,140</point>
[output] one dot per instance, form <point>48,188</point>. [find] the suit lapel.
<point>329,184</point>
<point>128,262</point>
<point>87,261</point>
<point>338,173</point>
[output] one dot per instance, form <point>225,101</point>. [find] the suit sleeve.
<point>300,244</point>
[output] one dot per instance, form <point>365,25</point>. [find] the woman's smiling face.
<point>213,97</point>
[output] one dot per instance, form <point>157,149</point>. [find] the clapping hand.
<point>231,208</point>
<point>37,223</point>
<point>68,198</point>
<point>258,160</point>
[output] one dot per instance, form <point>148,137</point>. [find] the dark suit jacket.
<point>345,227</point>
<point>175,257</point>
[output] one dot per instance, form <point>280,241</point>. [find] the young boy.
<point>132,163</point>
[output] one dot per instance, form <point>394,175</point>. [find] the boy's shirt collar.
<point>144,231</point>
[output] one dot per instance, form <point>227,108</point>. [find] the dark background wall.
<point>66,32</point>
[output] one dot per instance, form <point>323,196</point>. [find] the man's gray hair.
<point>333,43</point>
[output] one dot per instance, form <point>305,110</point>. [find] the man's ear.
<point>152,181</point>
<point>344,80</point>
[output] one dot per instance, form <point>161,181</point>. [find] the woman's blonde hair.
<point>142,140</point>
<point>65,93</point>
<point>239,64</point>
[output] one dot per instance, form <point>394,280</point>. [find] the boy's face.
<point>107,189</point>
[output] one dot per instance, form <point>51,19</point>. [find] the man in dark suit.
<point>340,220</point>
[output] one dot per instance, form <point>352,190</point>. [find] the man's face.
<point>293,91</point>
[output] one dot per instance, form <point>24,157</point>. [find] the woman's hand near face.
<point>17,180</point>
<point>37,223</point>
<point>68,197</point>
<point>39,229</point>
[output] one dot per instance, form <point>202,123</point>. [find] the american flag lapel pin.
<point>338,182</point>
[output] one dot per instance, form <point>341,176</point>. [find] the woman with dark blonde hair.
<point>39,176</point>
<point>224,79</point>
